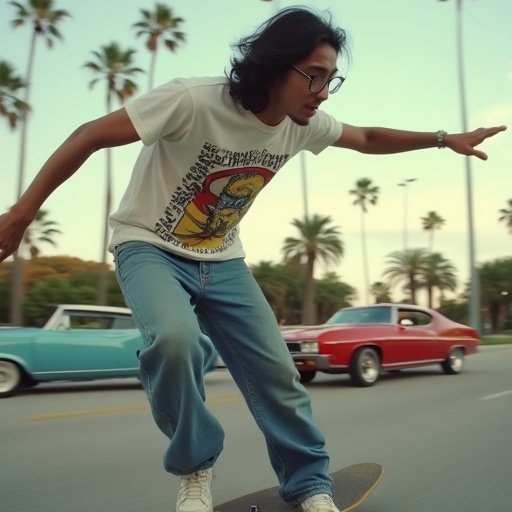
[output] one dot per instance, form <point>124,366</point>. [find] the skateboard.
<point>350,487</point>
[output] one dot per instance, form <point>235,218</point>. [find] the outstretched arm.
<point>115,129</point>
<point>382,141</point>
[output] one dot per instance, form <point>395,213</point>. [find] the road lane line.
<point>224,399</point>
<point>88,412</point>
<point>496,395</point>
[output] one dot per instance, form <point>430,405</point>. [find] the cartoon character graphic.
<point>219,205</point>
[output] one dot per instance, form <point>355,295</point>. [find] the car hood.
<point>312,331</point>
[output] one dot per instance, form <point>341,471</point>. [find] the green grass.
<point>496,341</point>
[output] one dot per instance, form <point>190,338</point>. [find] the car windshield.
<point>373,315</point>
<point>95,320</point>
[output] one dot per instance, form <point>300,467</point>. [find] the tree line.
<point>290,286</point>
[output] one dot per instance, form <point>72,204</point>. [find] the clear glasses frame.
<point>317,83</point>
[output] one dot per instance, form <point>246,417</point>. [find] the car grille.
<point>293,347</point>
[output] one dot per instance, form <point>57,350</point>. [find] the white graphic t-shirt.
<point>204,161</point>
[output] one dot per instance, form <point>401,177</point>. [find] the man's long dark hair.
<point>265,56</point>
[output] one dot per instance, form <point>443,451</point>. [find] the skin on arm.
<point>114,129</point>
<point>382,141</point>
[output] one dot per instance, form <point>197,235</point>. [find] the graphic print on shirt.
<point>203,212</point>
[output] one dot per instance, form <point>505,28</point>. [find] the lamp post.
<point>302,155</point>
<point>474,280</point>
<point>406,184</point>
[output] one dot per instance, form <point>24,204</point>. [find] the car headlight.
<point>309,347</point>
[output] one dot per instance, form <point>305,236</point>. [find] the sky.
<point>402,73</point>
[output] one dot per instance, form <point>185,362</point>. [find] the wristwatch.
<point>440,139</point>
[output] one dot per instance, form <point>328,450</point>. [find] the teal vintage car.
<point>77,343</point>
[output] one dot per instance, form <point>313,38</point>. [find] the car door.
<point>416,337</point>
<point>75,350</point>
<point>87,348</point>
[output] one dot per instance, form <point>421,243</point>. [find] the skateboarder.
<point>210,146</point>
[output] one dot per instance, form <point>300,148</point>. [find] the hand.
<point>12,229</point>
<point>465,143</point>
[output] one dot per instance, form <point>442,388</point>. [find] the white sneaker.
<point>195,492</point>
<point>319,503</point>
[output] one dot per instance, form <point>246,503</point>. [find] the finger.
<point>493,131</point>
<point>5,252</point>
<point>479,154</point>
<point>485,133</point>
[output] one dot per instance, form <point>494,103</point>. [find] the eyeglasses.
<point>317,83</point>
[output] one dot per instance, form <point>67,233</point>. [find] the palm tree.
<point>43,18</point>
<point>275,282</point>
<point>155,25</point>
<point>41,230</point>
<point>11,106</point>
<point>430,223</point>
<point>365,194</point>
<point>496,295</point>
<point>317,241</point>
<point>381,292</point>
<point>406,266</point>
<point>114,66</point>
<point>506,216</point>
<point>437,272</point>
<point>332,294</point>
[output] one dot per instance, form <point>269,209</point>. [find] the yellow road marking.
<point>224,399</point>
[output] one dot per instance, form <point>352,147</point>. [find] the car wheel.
<point>454,363</point>
<point>10,378</point>
<point>306,377</point>
<point>365,367</point>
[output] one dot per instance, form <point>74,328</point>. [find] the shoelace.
<point>194,485</point>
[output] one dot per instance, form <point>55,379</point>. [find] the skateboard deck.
<point>350,487</point>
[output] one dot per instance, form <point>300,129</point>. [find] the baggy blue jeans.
<point>168,295</point>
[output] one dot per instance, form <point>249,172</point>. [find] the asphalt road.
<point>445,442</point>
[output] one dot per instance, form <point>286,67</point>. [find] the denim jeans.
<point>169,296</point>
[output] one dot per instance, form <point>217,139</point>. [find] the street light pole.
<point>474,280</point>
<point>405,184</point>
<point>304,184</point>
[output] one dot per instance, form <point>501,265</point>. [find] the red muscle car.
<point>366,341</point>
